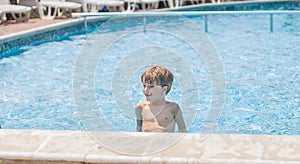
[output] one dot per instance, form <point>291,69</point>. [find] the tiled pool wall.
<point>243,6</point>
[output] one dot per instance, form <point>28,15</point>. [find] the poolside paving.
<point>36,146</point>
<point>11,27</point>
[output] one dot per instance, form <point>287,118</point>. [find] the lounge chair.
<point>18,12</point>
<point>34,7</point>
<point>149,4</point>
<point>82,2</point>
<point>49,9</point>
<point>112,5</point>
<point>94,5</point>
<point>145,4</point>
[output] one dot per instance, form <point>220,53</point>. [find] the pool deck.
<point>45,146</point>
<point>10,28</point>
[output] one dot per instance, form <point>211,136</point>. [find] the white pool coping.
<point>47,146</point>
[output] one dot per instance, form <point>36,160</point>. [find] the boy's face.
<point>154,92</point>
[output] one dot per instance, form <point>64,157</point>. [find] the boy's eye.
<point>149,86</point>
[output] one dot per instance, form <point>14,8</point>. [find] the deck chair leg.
<point>40,10</point>
<point>131,6</point>
<point>60,12</point>
<point>156,4</point>
<point>27,15</point>
<point>144,7</point>
<point>19,17</point>
<point>170,3</point>
<point>49,11</point>
<point>1,17</point>
<point>50,15</point>
<point>122,8</point>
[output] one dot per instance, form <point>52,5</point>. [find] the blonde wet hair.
<point>159,75</point>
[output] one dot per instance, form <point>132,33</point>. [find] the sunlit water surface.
<point>262,77</point>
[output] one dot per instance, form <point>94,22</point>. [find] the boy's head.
<point>159,75</point>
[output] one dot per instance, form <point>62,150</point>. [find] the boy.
<point>156,114</point>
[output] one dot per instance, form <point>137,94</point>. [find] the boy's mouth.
<point>147,94</point>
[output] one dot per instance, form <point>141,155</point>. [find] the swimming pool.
<point>261,70</point>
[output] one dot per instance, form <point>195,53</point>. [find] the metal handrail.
<point>189,13</point>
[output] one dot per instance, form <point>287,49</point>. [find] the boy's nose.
<point>145,89</point>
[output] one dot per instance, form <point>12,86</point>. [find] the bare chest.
<point>163,116</point>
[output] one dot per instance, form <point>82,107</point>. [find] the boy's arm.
<point>139,119</point>
<point>180,121</point>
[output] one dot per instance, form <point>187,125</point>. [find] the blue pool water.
<point>262,76</point>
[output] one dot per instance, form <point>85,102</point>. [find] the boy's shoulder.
<point>172,104</point>
<point>173,107</point>
<point>142,104</point>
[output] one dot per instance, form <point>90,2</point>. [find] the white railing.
<point>190,13</point>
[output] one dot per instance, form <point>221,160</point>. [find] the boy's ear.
<point>165,89</point>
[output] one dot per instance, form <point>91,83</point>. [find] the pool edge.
<point>36,146</point>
